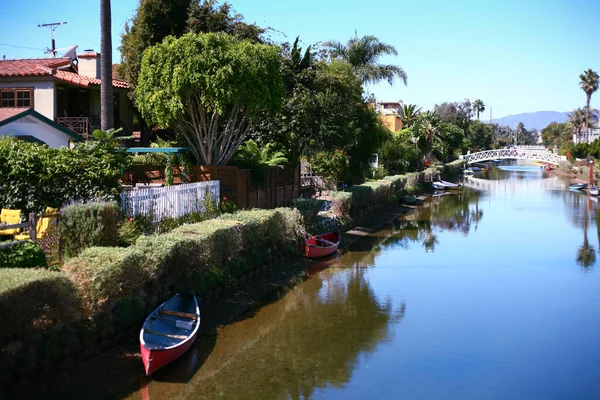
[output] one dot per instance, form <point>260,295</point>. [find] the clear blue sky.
<point>517,56</point>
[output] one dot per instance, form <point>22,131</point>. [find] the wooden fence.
<point>169,201</point>
<point>238,186</point>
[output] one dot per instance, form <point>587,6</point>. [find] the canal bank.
<point>113,371</point>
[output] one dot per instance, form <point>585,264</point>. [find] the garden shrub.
<point>362,196</point>
<point>22,255</point>
<point>106,275</point>
<point>34,176</point>
<point>32,300</point>
<point>87,225</point>
<point>380,191</point>
<point>258,227</point>
<point>341,204</point>
<point>309,208</point>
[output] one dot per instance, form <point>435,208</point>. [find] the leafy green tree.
<point>209,87</point>
<point>480,135</point>
<point>458,114</point>
<point>154,20</point>
<point>209,16</point>
<point>451,140</point>
<point>478,107</point>
<point>363,55</point>
<point>106,90</point>
<point>409,114</point>
<point>555,134</point>
<point>589,84</point>
<point>399,154</point>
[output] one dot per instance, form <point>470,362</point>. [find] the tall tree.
<point>209,16</point>
<point>210,87</point>
<point>363,55</point>
<point>154,20</point>
<point>478,107</point>
<point>106,88</point>
<point>458,113</point>
<point>589,84</point>
<point>577,122</point>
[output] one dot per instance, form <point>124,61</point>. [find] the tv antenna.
<point>52,26</point>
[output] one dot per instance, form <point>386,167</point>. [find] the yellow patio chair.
<point>10,217</point>
<point>43,223</point>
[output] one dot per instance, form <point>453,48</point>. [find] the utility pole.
<point>52,26</point>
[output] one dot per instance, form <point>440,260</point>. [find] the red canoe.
<point>322,245</point>
<point>169,331</point>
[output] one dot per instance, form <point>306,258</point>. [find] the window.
<point>16,97</point>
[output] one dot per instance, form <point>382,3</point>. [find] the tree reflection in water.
<point>586,254</point>
<point>309,339</point>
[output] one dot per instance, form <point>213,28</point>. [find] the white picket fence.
<point>169,201</point>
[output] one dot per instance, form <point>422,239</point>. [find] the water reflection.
<point>309,339</point>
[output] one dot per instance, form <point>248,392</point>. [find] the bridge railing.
<point>514,153</point>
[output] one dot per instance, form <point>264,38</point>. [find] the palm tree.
<point>409,114</point>
<point>106,89</point>
<point>589,84</point>
<point>363,55</point>
<point>429,130</point>
<point>478,107</point>
<point>577,121</point>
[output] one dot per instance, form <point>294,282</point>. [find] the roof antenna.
<point>52,27</point>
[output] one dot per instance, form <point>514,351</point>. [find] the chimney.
<point>89,63</point>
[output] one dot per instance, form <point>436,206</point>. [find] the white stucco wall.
<point>31,126</point>
<point>44,100</point>
<point>89,66</point>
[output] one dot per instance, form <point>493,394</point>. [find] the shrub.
<point>362,196</point>
<point>258,227</point>
<point>34,176</point>
<point>341,204</point>
<point>22,255</point>
<point>309,208</point>
<point>87,225</point>
<point>32,300</point>
<point>106,274</point>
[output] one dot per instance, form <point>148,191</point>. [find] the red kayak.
<point>322,245</point>
<point>169,331</point>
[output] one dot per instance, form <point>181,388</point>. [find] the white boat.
<point>593,190</point>
<point>577,186</point>
<point>445,185</point>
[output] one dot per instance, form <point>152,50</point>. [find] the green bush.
<point>341,204</point>
<point>200,255</point>
<point>32,300</point>
<point>87,225</point>
<point>22,255</point>
<point>362,196</point>
<point>106,274</point>
<point>309,208</point>
<point>34,176</point>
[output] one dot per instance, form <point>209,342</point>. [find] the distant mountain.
<point>533,120</point>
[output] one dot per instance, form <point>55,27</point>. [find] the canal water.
<point>490,294</point>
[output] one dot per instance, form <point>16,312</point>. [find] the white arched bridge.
<point>523,153</point>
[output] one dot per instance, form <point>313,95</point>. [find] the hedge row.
<point>23,255</point>
<point>349,204</point>
<point>162,264</point>
<point>33,300</point>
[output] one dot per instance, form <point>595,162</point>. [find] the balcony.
<point>83,126</point>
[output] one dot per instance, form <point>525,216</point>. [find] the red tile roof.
<point>7,112</point>
<point>84,81</point>
<point>32,66</point>
<point>47,67</point>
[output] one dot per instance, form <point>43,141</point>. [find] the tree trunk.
<point>587,113</point>
<point>106,88</point>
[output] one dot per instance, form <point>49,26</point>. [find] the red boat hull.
<point>322,245</point>
<point>156,359</point>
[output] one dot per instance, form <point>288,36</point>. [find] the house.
<point>62,92</point>
<point>389,113</point>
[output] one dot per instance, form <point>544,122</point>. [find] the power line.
<point>21,47</point>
